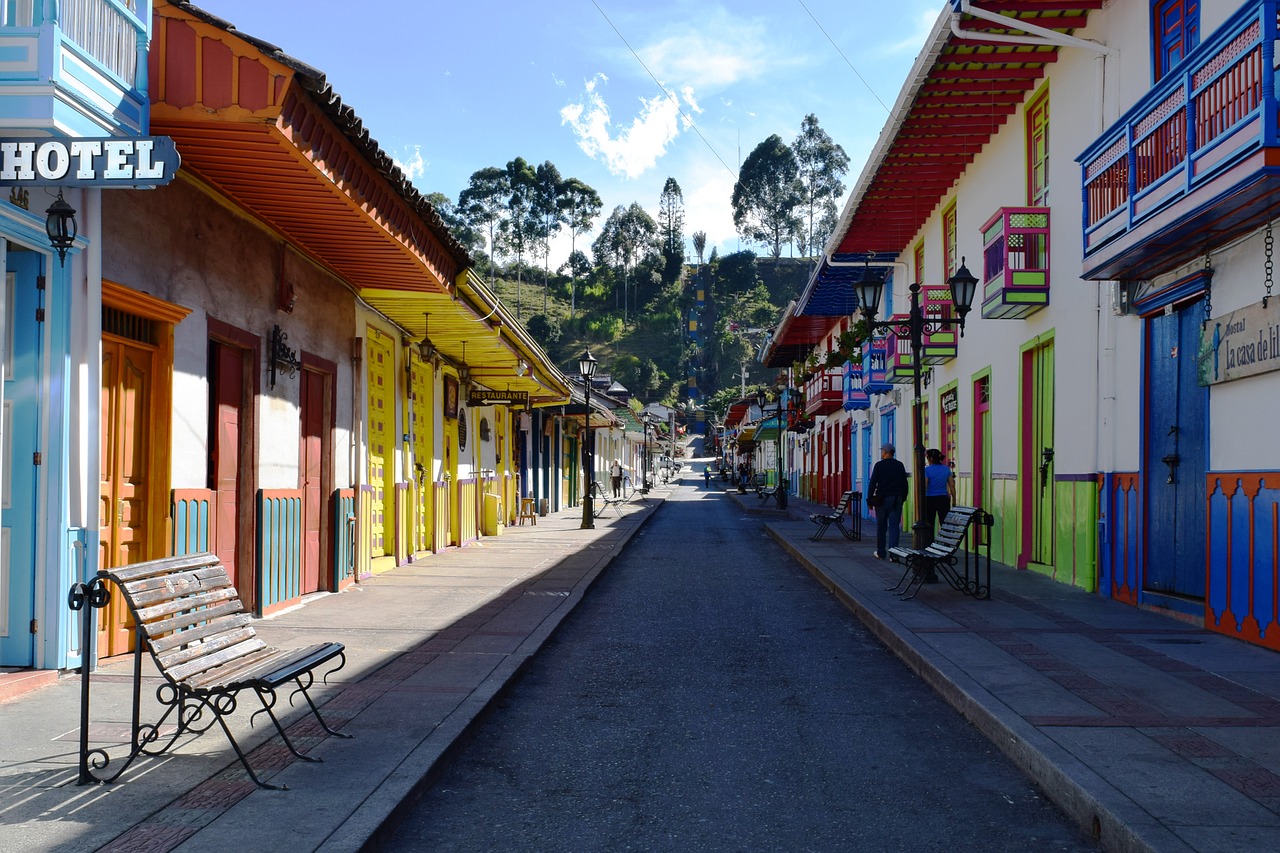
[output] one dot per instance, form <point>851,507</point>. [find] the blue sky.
<point>449,88</point>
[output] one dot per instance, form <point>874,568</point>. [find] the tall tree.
<point>520,227</point>
<point>483,204</point>
<point>822,163</point>
<point>456,222</point>
<point>548,209</point>
<point>699,244</point>
<point>766,195</point>
<point>581,207</point>
<point>626,237</point>
<point>671,229</point>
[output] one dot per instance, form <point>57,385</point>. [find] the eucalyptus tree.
<point>627,236</point>
<point>483,204</point>
<point>581,206</point>
<point>520,227</point>
<point>671,228</point>
<point>766,195</point>
<point>822,163</point>
<point>548,208</point>
<point>452,217</point>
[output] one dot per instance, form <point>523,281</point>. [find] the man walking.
<point>887,492</point>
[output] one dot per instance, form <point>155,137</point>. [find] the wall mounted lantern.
<point>60,225</point>
<point>281,358</point>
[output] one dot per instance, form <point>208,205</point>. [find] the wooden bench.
<point>188,616</point>
<point>940,558</point>
<point>836,517</point>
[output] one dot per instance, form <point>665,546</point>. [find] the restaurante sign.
<point>96,162</point>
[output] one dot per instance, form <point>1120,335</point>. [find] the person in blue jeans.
<point>888,482</point>
<point>939,488</point>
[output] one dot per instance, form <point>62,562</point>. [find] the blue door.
<point>19,431</point>
<point>1174,455</point>
<point>866,466</point>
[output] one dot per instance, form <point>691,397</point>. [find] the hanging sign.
<point>950,402</point>
<point>1243,343</point>
<point>110,161</point>
<point>481,397</point>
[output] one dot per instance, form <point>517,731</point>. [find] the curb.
<point>1028,750</point>
<point>371,825</point>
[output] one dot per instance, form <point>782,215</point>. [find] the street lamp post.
<point>648,419</point>
<point>780,493</point>
<point>963,286</point>
<point>587,369</point>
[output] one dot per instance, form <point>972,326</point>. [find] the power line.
<point>842,56</point>
<point>673,98</point>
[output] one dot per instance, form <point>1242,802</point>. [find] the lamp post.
<point>646,463</point>
<point>963,285</point>
<point>587,369</point>
<point>780,493</point>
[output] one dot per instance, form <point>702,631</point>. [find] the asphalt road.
<point>708,694</point>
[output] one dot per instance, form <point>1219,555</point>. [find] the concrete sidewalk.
<point>429,645</point>
<point>1151,733</point>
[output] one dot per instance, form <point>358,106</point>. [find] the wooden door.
<point>125,513</point>
<point>423,442</point>
<point>1038,466</point>
<point>312,474</point>
<point>19,434</point>
<point>381,382</point>
<point>226,404</point>
<point>1174,460</point>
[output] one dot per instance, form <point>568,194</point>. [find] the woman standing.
<point>939,488</point>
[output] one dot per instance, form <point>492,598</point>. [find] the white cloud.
<point>414,166</point>
<point>627,150</point>
<point>912,43</point>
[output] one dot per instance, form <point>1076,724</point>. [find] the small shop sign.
<point>1243,343</point>
<point>112,161</point>
<point>482,397</point>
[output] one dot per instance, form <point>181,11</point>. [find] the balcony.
<point>824,393</point>
<point>936,302</point>
<point>78,67</point>
<point>899,364</point>
<point>875,357</point>
<point>1195,159</point>
<point>1015,263</point>
<point>855,395</point>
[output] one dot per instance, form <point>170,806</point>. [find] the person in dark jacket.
<point>889,483</point>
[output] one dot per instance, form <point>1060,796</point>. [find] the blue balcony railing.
<point>1194,128</point>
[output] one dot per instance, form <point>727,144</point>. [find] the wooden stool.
<point>528,509</point>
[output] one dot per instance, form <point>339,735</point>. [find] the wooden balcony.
<point>1194,161</point>
<point>824,393</point>
<point>899,363</point>
<point>1015,263</point>
<point>875,371</point>
<point>78,67</point>
<point>855,394</point>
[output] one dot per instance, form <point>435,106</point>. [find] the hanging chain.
<point>1270,243</point>
<point>1208,288</point>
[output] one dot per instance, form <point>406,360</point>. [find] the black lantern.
<point>587,369</point>
<point>963,287</point>
<point>60,225</point>
<point>868,290</point>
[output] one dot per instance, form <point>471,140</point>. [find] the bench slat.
<point>164,566</point>
<point>195,617</point>
<point>158,590</point>
<point>184,672</point>
<point>227,636</point>
<point>168,608</point>
<point>248,669</point>
<point>212,627</point>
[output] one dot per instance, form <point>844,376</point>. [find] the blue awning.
<point>829,292</point>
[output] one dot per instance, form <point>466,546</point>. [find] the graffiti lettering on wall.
<point>1243,343</point>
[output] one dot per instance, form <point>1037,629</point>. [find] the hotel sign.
<point>1243,343</point>
<point>111,161</point>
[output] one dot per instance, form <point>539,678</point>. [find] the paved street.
<point>709,695</point>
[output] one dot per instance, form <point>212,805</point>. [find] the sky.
<point>621,94</point>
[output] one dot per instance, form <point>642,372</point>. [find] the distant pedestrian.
<point>615,477</point>
<point>887,492</point>
<point>706,477</point>
<point>939,488</point>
